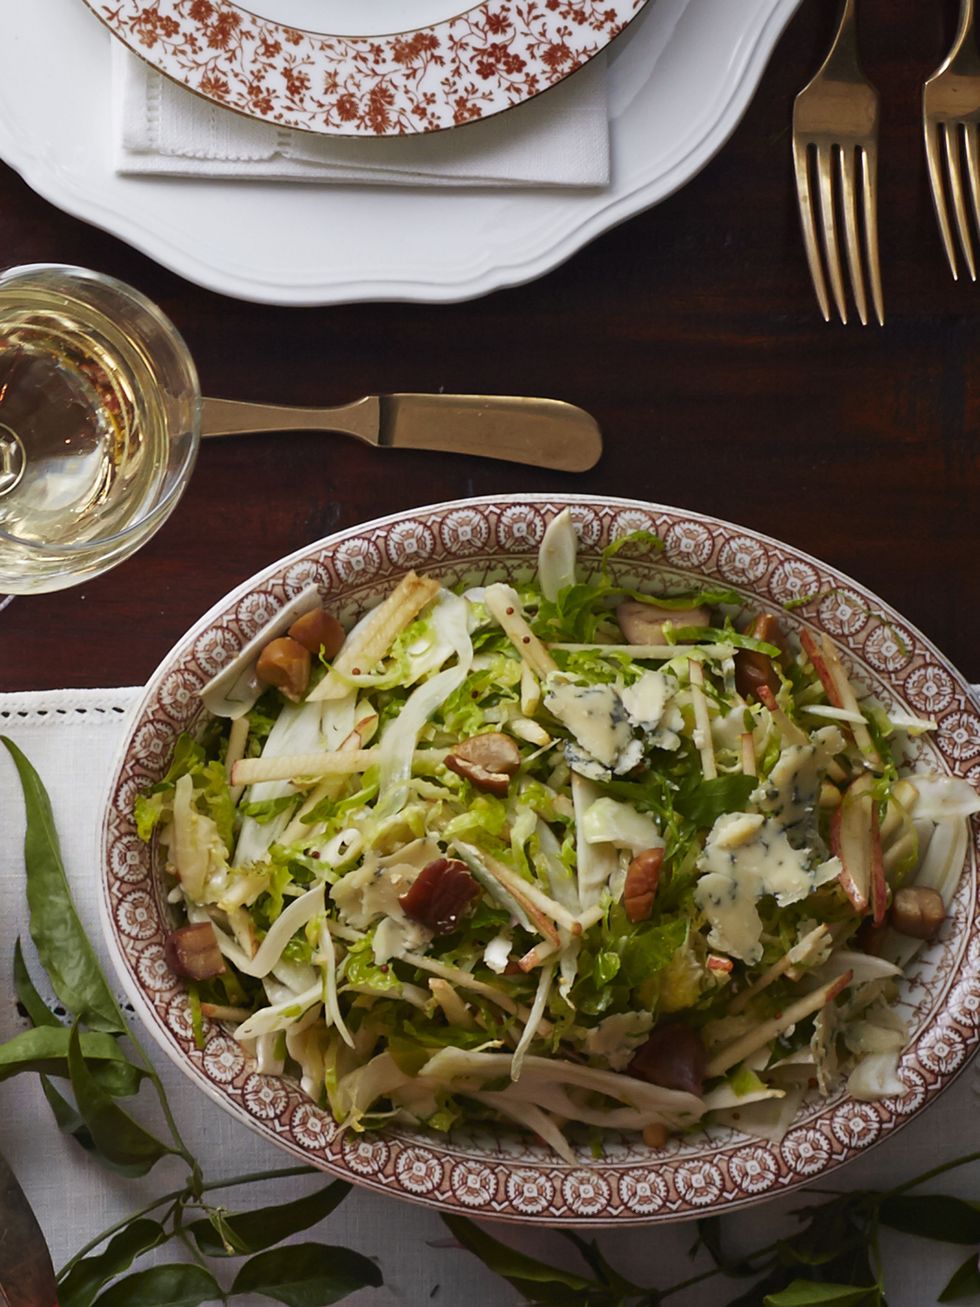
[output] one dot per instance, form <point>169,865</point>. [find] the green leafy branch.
<point>101,1058</point>
<point>832,1260</point>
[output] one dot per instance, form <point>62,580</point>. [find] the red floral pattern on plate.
<point>495,1171</point>
<point>491,57</point>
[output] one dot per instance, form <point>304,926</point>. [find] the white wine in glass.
<point>99,424</point>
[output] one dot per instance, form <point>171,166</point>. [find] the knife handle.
<point>231,417</point>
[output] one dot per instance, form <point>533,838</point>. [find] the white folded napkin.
<point>558,139</point>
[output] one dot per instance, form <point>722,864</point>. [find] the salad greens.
<point>543,854</point>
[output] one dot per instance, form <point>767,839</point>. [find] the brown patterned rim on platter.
<point>492,56</point>
<point>493,1173</point>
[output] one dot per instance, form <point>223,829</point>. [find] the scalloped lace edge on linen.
<point>67,707</point>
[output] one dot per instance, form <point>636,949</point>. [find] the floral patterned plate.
<point>493,1173</point>
<point>367,67</point>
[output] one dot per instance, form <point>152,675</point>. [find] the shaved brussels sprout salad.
<point>566,854</point>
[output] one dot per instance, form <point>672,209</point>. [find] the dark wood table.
<point>691,332</point>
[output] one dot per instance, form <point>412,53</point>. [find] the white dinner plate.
<point>680,78</point>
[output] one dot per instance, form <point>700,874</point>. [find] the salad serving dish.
<point>492,1171</point>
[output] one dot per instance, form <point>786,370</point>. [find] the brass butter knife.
<point>540,432</point>
<point>26,1274</point>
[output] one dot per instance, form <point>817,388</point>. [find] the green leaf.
<point>253,1231</point>
<point>933,1216</point>
<point>411,1045</point>
<point>705,801</point>
<point>649,948</point>
<point>639,537</point>
<point>605,968</point>
<point>197,1016</point>
<point>118,1079</point>
<point>722,635</point>
<point>775,1280</point>
<point>120,1141</point>
<point>803,1293</point>
<point>62,945</point>
<point>363,970</point>
<point>523,1272</point>
<point>706,598</point>
<point>965,1281</point>
<point>27,996</point>
<point>163,1286</point>
<point>307,1274</point>
<point>265,810</point>
<point>836,1233</point>
<point>66,1116</point>
<point>590,1252</point>
<point>147,811</point>
<point>84,1280</point>
<point>710,1237</point>
<point>211,786</point>
<point>45,1049</point>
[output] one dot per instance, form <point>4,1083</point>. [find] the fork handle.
<point>844,46</point>
<point>964,25</point>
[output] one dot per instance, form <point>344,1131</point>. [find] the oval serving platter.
<point>492,1173</point>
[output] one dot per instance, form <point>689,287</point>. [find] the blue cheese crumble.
<point>748,855</point>
<point>613,726</point>
<point>791,792</point>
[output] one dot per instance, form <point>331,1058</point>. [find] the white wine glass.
<point>100,414</point>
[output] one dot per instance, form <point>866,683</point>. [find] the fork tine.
<point>951,140</point>
<point>933,148</point>
<point>868,159</point>
<point>971,146</point>
<point>831,247</point>
<point>805,200</point>
<point>849,208</point>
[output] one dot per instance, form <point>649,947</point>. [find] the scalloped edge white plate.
<point>680,79</point>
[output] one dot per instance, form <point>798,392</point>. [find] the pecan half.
<point>655,1135</point>
<point>642,879</point>
<point>673,1057</point>
<point>440,895</point>
<point>918,911</point>
<point>752,669</point>
<point>319,631</point>
<point>192,952</point>
<point>285,664</point>
<point>487,761</point>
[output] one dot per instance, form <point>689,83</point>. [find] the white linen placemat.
<point>557,139</point>
<point>71,737</point>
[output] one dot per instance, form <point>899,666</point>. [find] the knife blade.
<point>539,432</point>
<point>26,1274</point>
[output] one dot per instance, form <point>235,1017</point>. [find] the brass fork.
<point>835,151</point>
<point>950,114</point>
